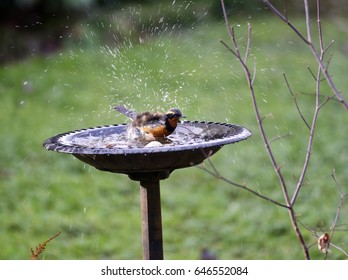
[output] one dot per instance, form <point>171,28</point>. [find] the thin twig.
<point>286,9</point>
<point>295,101</point>
<point>310,71</point>
<point>339,249</point>
<point>231,32</point>
<point>308,22</point>
<point>247,50</point>
<point>314,76</point>
<point>319,27</point>
<point>327,47</point>
<point>285,19</point>
<point>328,98</point>
<point>228,47</point>
<point>254,73</point>
<point>279,137</point>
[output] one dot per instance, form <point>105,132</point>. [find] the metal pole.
<point>151,220</point>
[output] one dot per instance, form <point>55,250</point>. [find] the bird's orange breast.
<point>157,130</point>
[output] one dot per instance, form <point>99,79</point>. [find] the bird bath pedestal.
<point>107,149</point>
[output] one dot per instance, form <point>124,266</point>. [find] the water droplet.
<point>27,87</point>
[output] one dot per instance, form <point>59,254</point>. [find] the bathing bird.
<point>150,126</point>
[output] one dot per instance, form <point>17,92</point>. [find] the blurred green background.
<point>64,67</point>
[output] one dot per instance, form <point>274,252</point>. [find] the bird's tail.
<point>129,113</point>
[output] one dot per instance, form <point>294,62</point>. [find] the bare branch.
<point>275,165</point>
<point>329,80</point>
<point>256,109</point>
<point>335,225</point>
<point>318,106</point>
<point>309,147</point>
<point>217,175</point>
<point>308,41</point>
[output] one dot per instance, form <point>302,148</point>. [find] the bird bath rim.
<point>149,163</point>
<point>58,143</point>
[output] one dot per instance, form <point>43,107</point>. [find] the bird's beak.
<point>182,117</point>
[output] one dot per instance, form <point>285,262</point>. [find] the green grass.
<point>99,213</point>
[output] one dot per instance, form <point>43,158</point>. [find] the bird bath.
<point>107,149</point>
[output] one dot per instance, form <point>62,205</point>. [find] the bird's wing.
<point>129,113</point>
<point>156,117</point>
<point>148,118</point>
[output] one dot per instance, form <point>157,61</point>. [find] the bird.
<point>151,126</point>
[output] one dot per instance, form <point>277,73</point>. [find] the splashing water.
<point>142,63</point>
<point>143,80</point>
<point>151,64</point>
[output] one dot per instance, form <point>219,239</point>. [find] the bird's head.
<point>173,117</point>
<point>174,113</point>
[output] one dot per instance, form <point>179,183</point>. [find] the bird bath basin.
<point>107,149</point>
